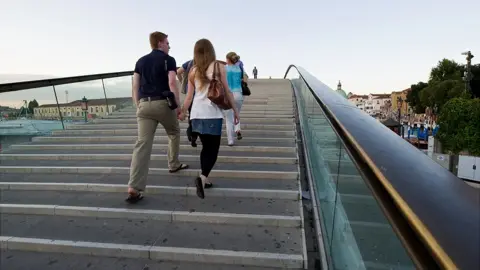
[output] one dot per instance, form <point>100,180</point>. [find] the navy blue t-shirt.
<point>153,69</point>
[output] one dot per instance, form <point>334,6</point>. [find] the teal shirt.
<point>234,78</point>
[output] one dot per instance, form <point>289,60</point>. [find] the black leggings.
<point>209,153</point>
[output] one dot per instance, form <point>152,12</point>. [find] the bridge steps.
<point>64,193</point>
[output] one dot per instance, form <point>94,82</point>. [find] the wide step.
<point>63,206</point>
<point>27,260</point>
<point>255,238</point>
<point>170,180</point>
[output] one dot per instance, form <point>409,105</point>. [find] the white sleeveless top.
<point>202,107</point>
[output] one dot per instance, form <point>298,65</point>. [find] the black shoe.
<point>239,136</point>
<point>208,185</point>
<point>134,198</point>
<point>200,190</point>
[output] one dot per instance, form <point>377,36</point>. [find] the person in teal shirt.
<point>234,74</point>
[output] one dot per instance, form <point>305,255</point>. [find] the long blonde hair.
<point>203,56</point>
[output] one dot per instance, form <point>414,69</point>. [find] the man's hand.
<point>180,114</point>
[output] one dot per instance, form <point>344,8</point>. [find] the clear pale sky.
<point>370,45</point>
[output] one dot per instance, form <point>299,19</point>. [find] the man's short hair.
<point>156,37</point>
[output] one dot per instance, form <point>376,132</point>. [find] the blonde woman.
<point>206,117</point>
<point>234,78</point>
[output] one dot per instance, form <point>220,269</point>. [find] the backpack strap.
<point>215,69</point>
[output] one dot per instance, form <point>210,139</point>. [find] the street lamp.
<point>467,76</point>
<point>85,107</point>
<point>399,103</point>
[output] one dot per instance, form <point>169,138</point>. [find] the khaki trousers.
<point>149,115</point>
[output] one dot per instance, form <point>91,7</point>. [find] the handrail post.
<point>58,106</point>
<point>105,94</point>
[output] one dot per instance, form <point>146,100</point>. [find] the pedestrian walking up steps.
<point>63,197</point>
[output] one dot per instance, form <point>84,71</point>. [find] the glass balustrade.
<point>356,233</point>
<point>40,111</point>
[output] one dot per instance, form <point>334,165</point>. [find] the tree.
<point>475,82</point>
<point>445,83</point>
<point>446,70</point>
<point>31,105</point>
<point>413,97</point>
<point>459,126</point>
<point>438,93</point>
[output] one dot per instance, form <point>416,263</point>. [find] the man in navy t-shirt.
<point>154,79</point>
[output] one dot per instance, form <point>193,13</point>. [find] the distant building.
<point>340,91</point>
<point>378,102</point>
<point>395,105</point>
<point>96,107</point>
<point>375,105</point>
<point>359,101</point>
<point>6,111</point>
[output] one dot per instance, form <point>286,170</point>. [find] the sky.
<point>372,46</point>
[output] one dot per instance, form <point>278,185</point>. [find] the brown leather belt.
<point>151,99</point>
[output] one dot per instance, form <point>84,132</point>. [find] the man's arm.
<point>180,71</point>
<point>172,78</point>
<point>135,87</point>
<point>136,82</point>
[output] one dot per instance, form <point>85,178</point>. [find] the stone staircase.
<point>62,197</point>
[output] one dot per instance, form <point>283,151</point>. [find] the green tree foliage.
<point>438,93</point>
<point>446,70</point>
<point>475,82</point>
<point>413,97</point>
<point>445,83</point>
<point>460,126</point>
<point>31,105</point>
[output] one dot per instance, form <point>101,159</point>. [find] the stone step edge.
<point>282,149</point>
<point>98,126</point>
<point>134,131</point>
<point>228,257</point>
<point>243,125</point>
<point>256,115</point>
<point>150,214</point>
<point>251,110</point>
<point>162,157</point>
<point>245,120</point>
<point>153,189</point>
<point>273,175</point>
<point>164,137</point>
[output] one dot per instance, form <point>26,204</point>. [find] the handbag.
<point>245,88</point>
<point>217,93</point>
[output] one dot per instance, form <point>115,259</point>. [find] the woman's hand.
<point>180,114</point>
<point>236,118</point>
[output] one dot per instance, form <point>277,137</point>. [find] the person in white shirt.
<point>206,117</point>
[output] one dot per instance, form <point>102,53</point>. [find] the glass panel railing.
<point>357,235</point>
<point>40,111</point>
<point>119,91</point>
<point>72,103</point>
<point>19,116</point>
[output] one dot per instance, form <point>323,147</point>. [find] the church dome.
<point>340,91</point>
